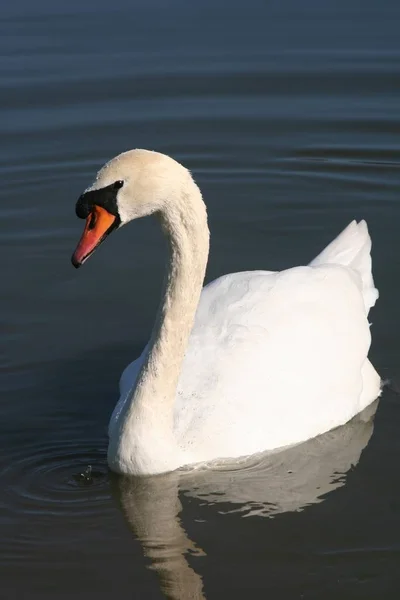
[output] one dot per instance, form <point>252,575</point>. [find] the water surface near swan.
<point>288,118</point>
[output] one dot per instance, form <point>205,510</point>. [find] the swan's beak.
<point>99,224</point>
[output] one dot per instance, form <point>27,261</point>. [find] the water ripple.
<point>57,478</point>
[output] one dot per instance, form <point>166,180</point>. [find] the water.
<point>287,114</point>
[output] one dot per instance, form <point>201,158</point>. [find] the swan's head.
<point>132,185</point>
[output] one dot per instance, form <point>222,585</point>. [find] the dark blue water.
<point>287,113</point>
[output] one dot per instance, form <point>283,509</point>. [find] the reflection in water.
<point>152,506</point>
<point>274,483</point>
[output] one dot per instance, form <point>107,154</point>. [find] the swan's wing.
<point>273,359</point>
<point>352,248</point>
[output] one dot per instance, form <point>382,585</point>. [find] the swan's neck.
<point>148,420</point>
<point>187,234</point>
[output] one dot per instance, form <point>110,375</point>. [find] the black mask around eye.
<point>105,197</point>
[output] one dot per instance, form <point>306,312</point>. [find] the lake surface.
<point>287,113</point>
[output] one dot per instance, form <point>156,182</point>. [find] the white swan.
<point>255,361</point>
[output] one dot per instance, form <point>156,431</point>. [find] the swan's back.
<point>277,358</point>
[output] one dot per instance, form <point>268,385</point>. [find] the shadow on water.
<point>265,486</point>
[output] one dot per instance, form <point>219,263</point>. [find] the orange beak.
<point>99,224</point>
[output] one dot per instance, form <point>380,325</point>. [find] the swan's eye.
<point>118,184</point>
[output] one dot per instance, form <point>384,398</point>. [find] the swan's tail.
<point>352,248</point>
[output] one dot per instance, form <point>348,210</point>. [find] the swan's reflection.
<point>286,481</point>
<point>152,506</point>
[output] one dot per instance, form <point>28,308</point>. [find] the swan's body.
<point>256,360</point>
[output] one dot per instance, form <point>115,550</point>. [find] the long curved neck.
<point>185,226</point>
<point>147,432</point>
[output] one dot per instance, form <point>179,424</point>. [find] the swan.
<point>254,361</point>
